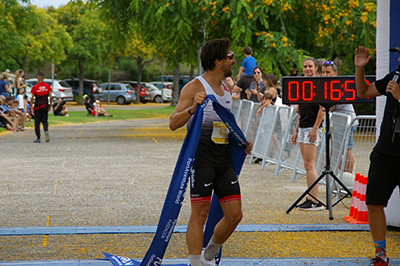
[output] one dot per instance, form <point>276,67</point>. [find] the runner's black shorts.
<point>212,170</point>
<point>383,177</point>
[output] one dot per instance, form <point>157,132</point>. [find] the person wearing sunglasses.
<point>384,169</point>
<point>308,133</point>
<point>329,69</point>
<point>212,169</point>
<point>257,87</point>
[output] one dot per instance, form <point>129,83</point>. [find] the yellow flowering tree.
<point>30,36</point>
<point>281,32</point>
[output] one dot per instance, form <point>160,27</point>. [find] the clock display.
<point>322,90</point>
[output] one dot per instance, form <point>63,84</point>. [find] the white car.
<point>156,93</point>
<point>60,88</point>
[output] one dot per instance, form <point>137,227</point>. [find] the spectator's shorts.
<point>303,136</point>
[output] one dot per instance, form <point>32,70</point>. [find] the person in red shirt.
<point>40,96</point>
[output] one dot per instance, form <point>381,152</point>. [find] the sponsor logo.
<point>209,184</point>
<point>234,182</point>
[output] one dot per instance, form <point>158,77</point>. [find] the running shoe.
<point>377,261</point>
<point>47,137</point>
<point>304,204</point>
<point>36,141</point>
<point>311,206</point>
<point>204,261</point>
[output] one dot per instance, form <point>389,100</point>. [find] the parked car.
<point>60,88</point>
<point>122,93</point>
<point>159,84</point>
<point>156,93</point>
<point>90,87</point>
<point>144,92</point>
<point>169,78</point>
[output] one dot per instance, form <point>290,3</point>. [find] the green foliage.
<point>32,36</point>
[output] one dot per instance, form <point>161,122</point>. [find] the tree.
<point>83,23</point>
<point>142,52</point>
<point>31,36</point>
<point>281,32</point>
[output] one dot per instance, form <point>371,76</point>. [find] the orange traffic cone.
<point>358,210</point>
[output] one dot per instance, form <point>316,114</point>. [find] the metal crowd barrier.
<point>271,134</point>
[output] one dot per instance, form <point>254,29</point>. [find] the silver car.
<point>156,93</point>
<point>121,93</point>
<point>60,88</point>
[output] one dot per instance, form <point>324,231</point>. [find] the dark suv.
<point>90,87</point>
<point>169,78</point>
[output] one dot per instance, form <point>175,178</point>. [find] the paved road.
<point>118,173</point>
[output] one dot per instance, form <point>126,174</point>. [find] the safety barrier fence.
<point>271,131</point>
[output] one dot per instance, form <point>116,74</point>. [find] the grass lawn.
<point>79,117</point>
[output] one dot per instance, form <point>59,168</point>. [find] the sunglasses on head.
<point>328,63</point>
<point>230,55</point>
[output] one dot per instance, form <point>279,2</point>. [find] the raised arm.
<point>192,95</point>
<point>361,59</point>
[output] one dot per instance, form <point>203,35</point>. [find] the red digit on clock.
<point>304,90</point>
<point>296,90</point>
<point>346,84</point>
<point>335,90</point>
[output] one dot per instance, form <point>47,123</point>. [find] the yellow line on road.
<point>56,187</point>
<point>155,140</point>
<point>46,237</point>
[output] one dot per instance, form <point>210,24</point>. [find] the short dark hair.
<point>319,63</point>
<point>212,50</point>
<point>9,99</point>
<point>40,74</point>
<point>247,50</point>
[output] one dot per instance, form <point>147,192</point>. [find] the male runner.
<point>40,93</point>
<point>212,169</point>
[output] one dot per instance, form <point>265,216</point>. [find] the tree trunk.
<point>81,77</point>
<point>175,86</point>
<point>191,74</point>
<point>23,62</point>
<point>139,61</point>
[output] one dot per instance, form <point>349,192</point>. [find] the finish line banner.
<point>180,178</point>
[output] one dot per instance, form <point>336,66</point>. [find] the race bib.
<point>220,133</point>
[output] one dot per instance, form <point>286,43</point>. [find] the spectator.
<point>266,100</point>
<point>257,87</point>
<point>19,80</point>
<point>231,84</point>
<point>12,111</point>
<point>319,63</point>
<point>5,88</point>
<point>59,108</point>
<point>308,132</point>
<point>245,73</point>
<point>40,94</point>
<point>272,85</point>
<point>22,110</point>
<point>88,104</point>
<point>98,110</point>
<point>248,63</point>
<point>329,68</point>
<point>5,120</point>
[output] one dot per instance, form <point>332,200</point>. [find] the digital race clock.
<point>322,90</point>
